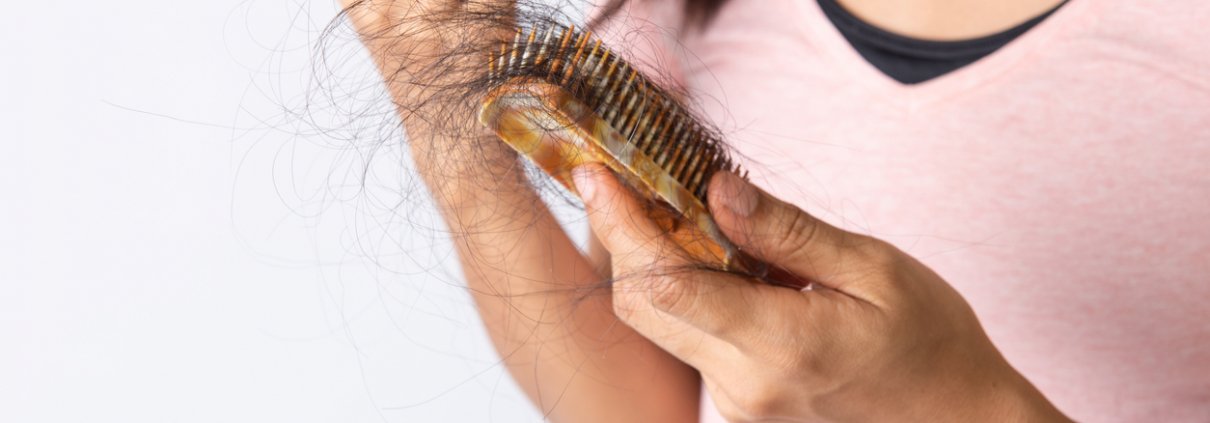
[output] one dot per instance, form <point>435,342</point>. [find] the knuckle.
<point>644,282</point>
<point>798,231</point>
<point>635,293</point>
<point>625,301</point>
<point>877,253</point>
<point>879,257</point>
<point>671,293</point>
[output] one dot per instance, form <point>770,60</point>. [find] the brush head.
<point>562,99</point>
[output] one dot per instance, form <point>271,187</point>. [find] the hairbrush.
<point>562,99</point>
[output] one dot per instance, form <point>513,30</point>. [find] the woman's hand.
<point>879,338</point>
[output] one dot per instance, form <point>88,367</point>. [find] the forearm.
<point>542,303</point>
<point>545,305</point>
<point>555,330</point>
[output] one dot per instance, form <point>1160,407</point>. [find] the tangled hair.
<point>421,107</point>
<point>433,58</point>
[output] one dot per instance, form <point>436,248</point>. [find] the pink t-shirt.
<point>1061,184</point>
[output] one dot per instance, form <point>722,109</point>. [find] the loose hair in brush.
<point>558,95</point>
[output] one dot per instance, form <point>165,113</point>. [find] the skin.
<point>882,338</point>
<point>879,337</point>
<point>947,20</point>
<point>544,304</point>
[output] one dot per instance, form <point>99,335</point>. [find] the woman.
<point>1019,217</point>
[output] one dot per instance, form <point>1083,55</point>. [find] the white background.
<point>177,245</point>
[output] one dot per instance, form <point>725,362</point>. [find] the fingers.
<point>785,236</point>
<point>655,282</point>
<point>736,310</point>
<point>621,223</point>
<point>642,258</point>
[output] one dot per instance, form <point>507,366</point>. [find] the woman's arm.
<point>542,302</point>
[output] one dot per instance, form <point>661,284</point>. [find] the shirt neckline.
<point>954,49</point>
<point>840,54</point>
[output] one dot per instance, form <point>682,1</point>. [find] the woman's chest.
<point>1073,214</point>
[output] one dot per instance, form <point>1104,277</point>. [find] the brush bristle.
<point>650,119</point>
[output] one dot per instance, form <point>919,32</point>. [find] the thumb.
<point>658,281</point>
<point>619,221</point>
<point>783,235</point>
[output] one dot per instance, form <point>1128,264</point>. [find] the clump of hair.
<point>434,63</point>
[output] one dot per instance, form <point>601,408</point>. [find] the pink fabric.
<point>1062,184</point>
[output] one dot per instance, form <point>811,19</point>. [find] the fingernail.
<point>582,177</point>
<point>736,194</point>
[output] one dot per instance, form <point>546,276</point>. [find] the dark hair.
<point>453,81</point>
